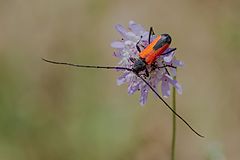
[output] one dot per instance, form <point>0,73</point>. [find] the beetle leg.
<point>151,32</point>
<point>168,52</point>
<point>146,72</point>
<point>169,66</point>
<point>154,66</point>
<point>166,69</point>
<point>143,46</point>
<point>137,46</point>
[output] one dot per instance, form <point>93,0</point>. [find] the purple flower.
<point>163,72</point>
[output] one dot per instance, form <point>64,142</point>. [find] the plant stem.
<point>173,123</point>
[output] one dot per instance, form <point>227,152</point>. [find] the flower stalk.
<point>173,123</point>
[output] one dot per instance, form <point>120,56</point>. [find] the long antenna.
<point>169,106</point>
<point>128,69</point>
<point>87,66</point>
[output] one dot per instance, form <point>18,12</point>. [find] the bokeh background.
<point>61,113</point>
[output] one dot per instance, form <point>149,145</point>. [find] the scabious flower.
<point>163,73</point>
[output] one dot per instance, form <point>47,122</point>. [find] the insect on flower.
<point>146,60</point>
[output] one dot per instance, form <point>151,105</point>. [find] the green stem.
<point>173,124</point>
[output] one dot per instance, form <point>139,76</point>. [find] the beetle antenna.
<point>87,66</point>
<point>169,106</point>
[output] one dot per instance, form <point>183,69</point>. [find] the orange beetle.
<point>149,55</point>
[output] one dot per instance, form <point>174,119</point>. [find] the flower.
<point>163,71</point>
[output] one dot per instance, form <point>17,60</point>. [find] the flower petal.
<point>133,37</point>
<point>117,44</point>
<point>175,84</point>
<point>168,58</point>
<point>136,28</point>
<point>178,88</point>
<point>133,87</point>
<point>165,87</point>
<point>121,30</point>
<point>173,71</point>
<point>178,63</point>
<point>122,79</point>
<point>118,54</point>
<point>144,95</point>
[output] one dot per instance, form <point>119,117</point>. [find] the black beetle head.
<point>139,65</point>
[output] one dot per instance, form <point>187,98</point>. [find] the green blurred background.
<point>62,113</point>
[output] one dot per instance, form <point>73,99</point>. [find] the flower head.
<point>163,70</point>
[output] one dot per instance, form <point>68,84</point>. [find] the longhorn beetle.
<point>147,56</point>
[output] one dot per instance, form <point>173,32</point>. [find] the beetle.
<point>146,57</point>
<point>154,49</point>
